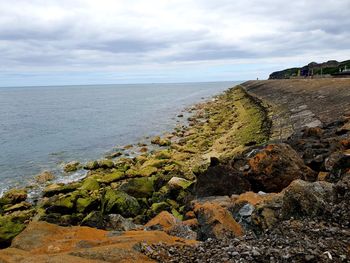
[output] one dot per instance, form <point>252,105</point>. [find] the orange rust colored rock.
<point>163,219</point>
<point>253,198</point>
<point>44,242</point>
<point>275,167</point>
<point>215,221</point>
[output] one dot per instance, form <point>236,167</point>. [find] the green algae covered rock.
<point>55,189</point>
<point>105,164</point>
<point>85,204</point>
<point>13,196</point>
<point>176,183</point>
<point>161,141</point>
<point>139,187</point>
<point>71,167</point>
<point>156,208</point>
<point>91,165</point>
<point>119,202</point>
<point>9,229</point>
<point>90,184</point>
<point>111,177</point>
<point>13,224</point>
<point>143,171</point>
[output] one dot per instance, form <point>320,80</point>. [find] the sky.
<point>49,42</point>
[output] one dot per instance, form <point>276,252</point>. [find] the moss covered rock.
<point>143,171</point>
<point>71,167</point>
<point>44,177</point>
<point>90,184</point>
<point>13,196</point>
<point>139,187</point>
<point>11,225</point>
<point>55,189</point>
<point>119,202</point>
<point>9,229</point>
<point>91,165</point>
<point>105,164</point>
<point>111,177</point>
<point>161,141</point>
<point>156,208</point>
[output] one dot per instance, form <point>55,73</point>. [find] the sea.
<point>41,128</point>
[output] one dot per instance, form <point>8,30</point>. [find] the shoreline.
<point>60,175</point>
<point>223,181</point>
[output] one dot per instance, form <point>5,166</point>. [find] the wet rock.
<point>44,177</point>
<point>90,184</point>
<point>13,196</point>
<point>17,207</point>
<point>71,167</point>
<point>91,165</point>
<point>114,155</point>
<point>215,221</point>
<point>220,180</point>
<point>160,141</point>
<point>275,167</point>
<point>105,164</point>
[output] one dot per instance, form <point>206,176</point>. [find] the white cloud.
<point>68,36</point>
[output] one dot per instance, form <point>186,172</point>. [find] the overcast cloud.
<point>88,41</point>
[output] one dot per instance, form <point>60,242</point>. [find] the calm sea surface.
<point>41,127</point>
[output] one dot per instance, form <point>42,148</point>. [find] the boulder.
<point>44,177</point>
<point>13,224</point>
<point>91,165</point>
<point>139,187</point>
<point>215,221</point>
<point>144,171</point>
<point>177,183</point>
<point>160,141</point>
<point>13,196</point>
<point>105,164</point>
<point>90,184</point>
<point>156,208</point>
<point>119,202</point>
<point>71,166</point>
<point>63,204</point>
<point>220,180</point>
<point>274,167</point>
<point>111,222</point>
<point>17,207</point>
<point>113,176</point>
<point>54,189</point>
<point>300,199</point>
<point>163,221</point>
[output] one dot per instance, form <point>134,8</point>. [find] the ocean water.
<point>43,127</point>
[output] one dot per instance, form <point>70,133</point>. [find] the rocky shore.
<point>260,174</point>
